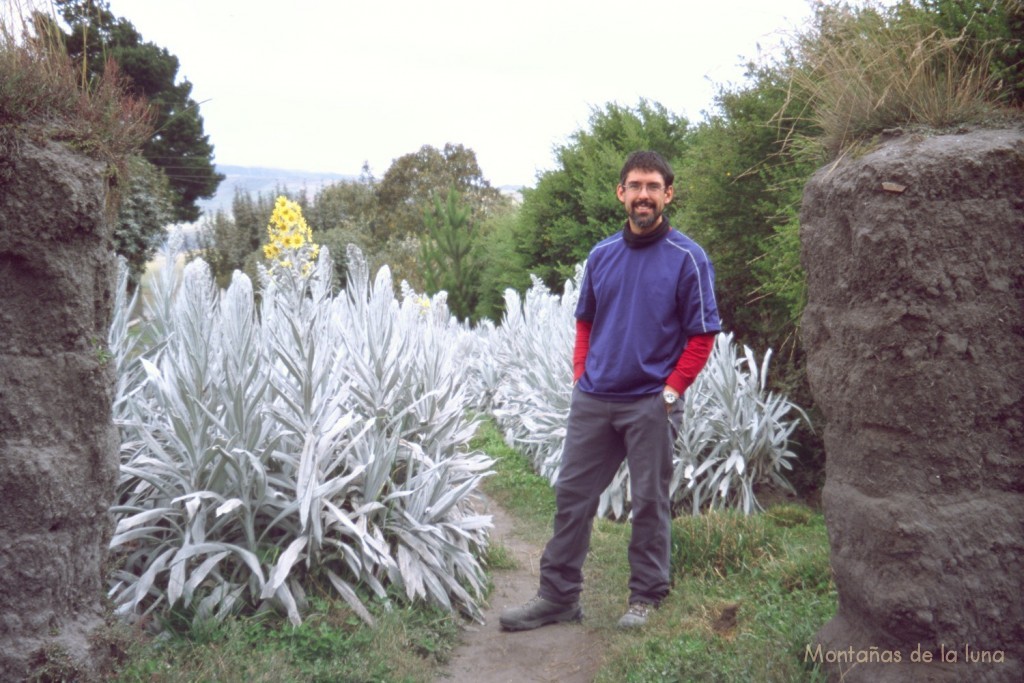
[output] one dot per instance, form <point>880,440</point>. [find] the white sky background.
<point>324,85</point>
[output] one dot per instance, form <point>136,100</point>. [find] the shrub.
<point>317,441</point>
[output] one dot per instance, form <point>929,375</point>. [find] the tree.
<point>738,191</point>
<point>344,213</point>
<point>447,254</point>
<point>574,206</point>
<point>501,264</point>
<point>179,147</point>
<point>409,185</point>
<point>350,205</point>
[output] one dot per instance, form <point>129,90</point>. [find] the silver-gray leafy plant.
<point>311,439</point>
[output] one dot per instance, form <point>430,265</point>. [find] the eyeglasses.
<point>652,188</point>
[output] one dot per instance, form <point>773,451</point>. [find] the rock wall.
<point>914,332</point>
<point>58,448</point>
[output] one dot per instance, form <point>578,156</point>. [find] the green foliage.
<point>342,214</point>
<point>499,557</point>
<point>406,194</point>
<point>222,246</point>
<point>336,240</point>
<point>739,188</point>
<point>501,263</point>
<point>407,189</point>
<point>574,206</point>
<point>789,515</point>
<point>782,283</point>
<point>349,205</point>
<point>143,215</point>
<point>735,187</point>
<point>179,147</point>
<point>991,27</point>
<point>447,259</point>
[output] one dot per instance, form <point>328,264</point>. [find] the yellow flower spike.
<point>289,235</point>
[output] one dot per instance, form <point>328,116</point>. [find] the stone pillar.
<point>914,331</point>
<point>58,448</point>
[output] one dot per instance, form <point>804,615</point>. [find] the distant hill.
<point>266,181</point>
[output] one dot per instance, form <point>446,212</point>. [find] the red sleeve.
<point>691,362</point>
<point>579,353</point>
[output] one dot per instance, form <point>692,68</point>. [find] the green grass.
<point>332,644</point>
<point>749,593</point>
<point>499,557</point>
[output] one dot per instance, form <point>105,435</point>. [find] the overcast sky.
<point>324,85</point>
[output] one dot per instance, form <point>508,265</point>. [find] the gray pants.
<point>598,436</point>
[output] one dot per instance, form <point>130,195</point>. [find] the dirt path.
<point>560,653</point>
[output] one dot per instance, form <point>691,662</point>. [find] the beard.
<point>644,221</point>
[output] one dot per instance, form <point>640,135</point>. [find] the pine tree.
<point>179,147</point>
<point>447,254</point>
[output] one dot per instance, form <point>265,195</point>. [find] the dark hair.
<point>647,161</point>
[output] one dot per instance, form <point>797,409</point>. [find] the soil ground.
<point>560,653</point>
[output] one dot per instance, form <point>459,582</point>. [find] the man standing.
<point>645,325</point>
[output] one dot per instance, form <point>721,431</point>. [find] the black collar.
<point>635,241</point>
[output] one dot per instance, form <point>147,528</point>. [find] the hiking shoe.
<point>636,615</point>
<point>539,612</point>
